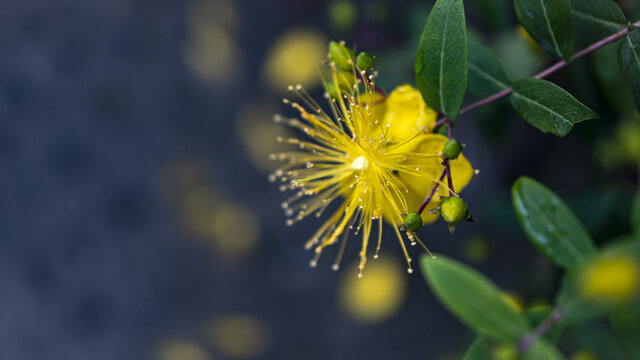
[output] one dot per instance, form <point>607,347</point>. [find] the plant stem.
<point>433,191</point>
<point>528,339</point>
<point>553,68</point>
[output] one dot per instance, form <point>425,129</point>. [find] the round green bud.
<point>453,210</point>
<point>452,149</point>
<point>413,221</point>
<point>364,61</point>
<point>331,90</point>
<point>340,55</point>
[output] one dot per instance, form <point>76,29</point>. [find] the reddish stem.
<point>433,191</point>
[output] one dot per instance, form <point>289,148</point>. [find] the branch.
<point>553,68</point>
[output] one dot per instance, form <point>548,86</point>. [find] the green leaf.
<point>550,24</point>
<point>487,73</point>
<point>635,214</point>
<point>596,19</point>
<point>542,350</point>
<point>548,107</point>
<point>479,350</point>
<point>550,224</point>
<point>473,298</point>
<point>441,61</point>
<point>629,60</point>
<point>627,330</point>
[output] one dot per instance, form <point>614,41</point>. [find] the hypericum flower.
<point>375,154</point>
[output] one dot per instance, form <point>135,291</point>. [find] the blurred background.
<point>137,222</point>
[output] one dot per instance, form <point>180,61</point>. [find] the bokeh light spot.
<point>181,350</point>
<point>294,58</point>
<point>377,295</point>
<point>239,336</point>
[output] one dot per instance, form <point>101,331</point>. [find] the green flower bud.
<point>413,221</point>
<point>364,61</point>
<point>452,149</point>
<point>340,55</point>
<point>331,90</point>
<point>453,210</point>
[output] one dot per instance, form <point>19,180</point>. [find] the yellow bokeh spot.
<point>220,12</point>
<point>407,113</point>
<point>610,280</point>
<point>258,134</point>
<point>239,336</point>
<point>377,295</point>
<point>476,249</point>
<point>505,351</point>
<point>584,355</point>
<point>212,54</point>
<point>294,59</point>
<point>181,350</point>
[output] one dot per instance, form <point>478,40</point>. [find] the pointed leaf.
<point>479,350</point>
<point>596,19</point>
<point>629,60</point>
<point>548,107</point>
<point>441,61</point>
<point>473,298</point>
<point>550,24</point>
<point>487,73</point>
<point>550,224</point>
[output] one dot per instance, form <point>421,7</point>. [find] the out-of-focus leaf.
<point>596,338</point>
<point>542,350</point>
<point>519,56</point>
<point>627,330</point>
<point>548,107</point>
<point>473,298</point>
<point>596,19</point>
<point>479,350</point>
<point>550,24</point>
<point>487,73</point>
<point>550,224</point>
<point>539,314</point>
<point>495,13</point>
<point>610,80</point>
<point>635,215</point>
<point>629,59</point>
<point>441,61</point>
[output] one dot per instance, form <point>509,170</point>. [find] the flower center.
<point>360,163</point>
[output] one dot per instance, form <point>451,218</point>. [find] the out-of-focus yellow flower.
<point>505,351</point>
<point>239,336</point>
<point>381,164</point>
<point>180,350</point>
<point>375,297</point>
<point>294,58</point>
<point>610,280</point>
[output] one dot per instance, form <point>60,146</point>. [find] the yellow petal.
<point>420,186</point>
<point>407,113</point>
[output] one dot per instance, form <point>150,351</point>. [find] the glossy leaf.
<point>441,61</point>
<point>542,350</point>
<point>548,107</point>
<point>627,330</point>
<point>596,19</point>
<point>629,60</point>
<point>550,224</point>
<point>487,73</point>
<point>550,24</point>
<point>473,298</point>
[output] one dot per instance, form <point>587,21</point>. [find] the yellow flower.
<point>611,280</point>
<point>376,156</point>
